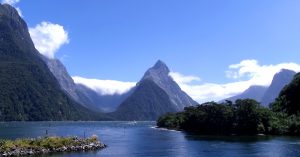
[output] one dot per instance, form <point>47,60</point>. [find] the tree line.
<point>242,117</point>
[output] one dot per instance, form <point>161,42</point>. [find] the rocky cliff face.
<point>61,74</point>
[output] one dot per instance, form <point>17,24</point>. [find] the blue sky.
<point>119,40</point>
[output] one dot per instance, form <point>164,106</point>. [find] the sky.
<point>214,48</point>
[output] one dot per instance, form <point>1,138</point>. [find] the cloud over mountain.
<point>48,38</point>
<point>105,87</point>
<point>243,75</point>
<point>180,78</point>
<point>256,74</point>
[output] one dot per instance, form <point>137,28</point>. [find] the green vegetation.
<point>48,144</point>
<point>244,117</point>
<point>288,100</point>
<point>287,106</point>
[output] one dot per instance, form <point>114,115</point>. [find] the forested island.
<point>242,117</point>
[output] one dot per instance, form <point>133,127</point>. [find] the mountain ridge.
<point>253,92</point>
<point>28,90</point>
<point>267,95</point>
<point>280,80</point>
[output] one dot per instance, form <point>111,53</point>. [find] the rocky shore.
<point>28,147</point>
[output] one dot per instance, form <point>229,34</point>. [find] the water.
<point>142,139</point>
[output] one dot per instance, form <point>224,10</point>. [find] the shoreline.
<point>225,135</point>
<point>47,145</point>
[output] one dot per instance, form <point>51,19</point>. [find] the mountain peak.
<point>159,71</point>
<point>12,23</point>
<point>155,94</point>
<point>287,71</point>
<point>8,10</point>
<point>284,74</point>
<point>159,74</point>
<point>160,64</point>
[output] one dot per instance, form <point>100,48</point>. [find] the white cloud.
<point>105,87</point>
<point>257,74</point>
<point>13,3</point>
<point>244,74</point>
<point>179,78</point>
<point>48,38</point>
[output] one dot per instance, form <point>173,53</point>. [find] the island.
<point>45,145</point>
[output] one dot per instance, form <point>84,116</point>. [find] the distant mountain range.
<point>140,103</point>
<point>253,92</point>
<point>267,95</point>
<point>156,94</point>
<point>33,87</point>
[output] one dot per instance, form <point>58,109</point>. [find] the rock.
<point>92,144</point>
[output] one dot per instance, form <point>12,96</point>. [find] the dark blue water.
<point>128,140</point>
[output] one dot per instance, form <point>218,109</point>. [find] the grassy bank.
<point>34,146</point>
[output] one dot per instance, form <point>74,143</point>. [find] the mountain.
<point>253,92</point>
<point>28,90</point>
<point>280,80</point>
<point>81,93</point>
<point>154,95</point>
<point>267,95</point>
<point>288,100</point>
<point>147,102</point>
<point>159,74</point>
<point>61,74</point>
